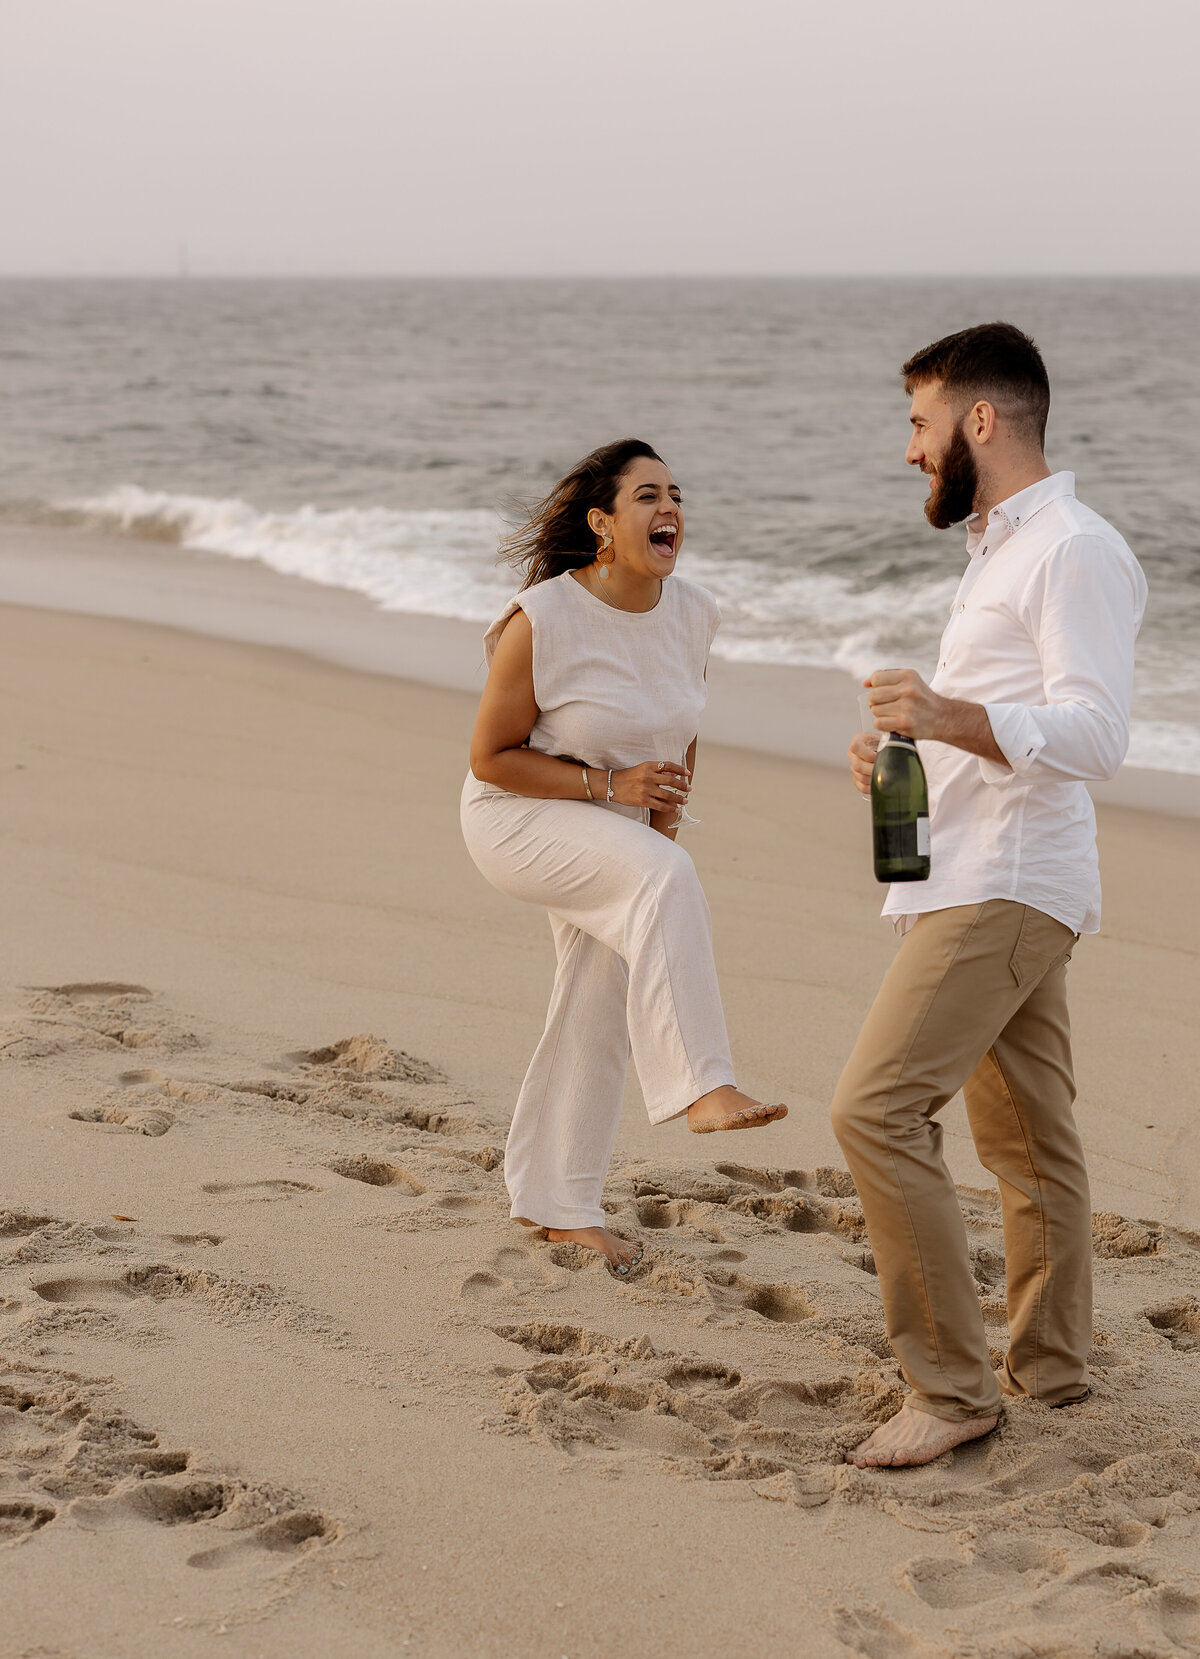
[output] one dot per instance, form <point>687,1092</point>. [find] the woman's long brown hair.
<point>556,535</point>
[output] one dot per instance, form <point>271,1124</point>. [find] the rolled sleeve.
<point>1084,613</point>
<point>1018,737</point>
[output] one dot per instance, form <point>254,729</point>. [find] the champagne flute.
<point>665,743</point>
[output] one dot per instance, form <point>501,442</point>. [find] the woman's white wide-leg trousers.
<point>635,971</point>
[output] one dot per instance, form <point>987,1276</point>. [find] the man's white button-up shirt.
<point>1041,633</point>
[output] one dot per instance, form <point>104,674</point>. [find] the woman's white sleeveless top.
<point>613,687</point>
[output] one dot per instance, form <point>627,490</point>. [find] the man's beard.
<point>955,483</point>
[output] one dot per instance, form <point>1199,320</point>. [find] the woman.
<point>581,761</point>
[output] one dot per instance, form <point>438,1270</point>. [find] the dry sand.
<point>278,1375</point>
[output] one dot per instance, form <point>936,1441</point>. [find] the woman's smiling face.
<point>646,523</point>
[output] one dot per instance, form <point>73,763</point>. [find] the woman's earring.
<point>604,563</point>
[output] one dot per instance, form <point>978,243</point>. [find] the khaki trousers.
<point>975,999</point>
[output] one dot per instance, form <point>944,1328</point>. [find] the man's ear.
<point>980,423</point>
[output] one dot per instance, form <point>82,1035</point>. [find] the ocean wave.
<point>442,562</point>
<point>1164,746</point>
<point>821,619</point>
<point>439,562</point>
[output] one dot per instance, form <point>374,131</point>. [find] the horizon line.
<point>184,277</point>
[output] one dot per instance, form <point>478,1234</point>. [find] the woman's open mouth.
<point>662,540</point>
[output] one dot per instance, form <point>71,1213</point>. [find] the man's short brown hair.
<point>994,362</point>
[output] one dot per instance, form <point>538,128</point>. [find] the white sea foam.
<point>1164,746</point>
<point>443,563</point>
<point>818,618</point>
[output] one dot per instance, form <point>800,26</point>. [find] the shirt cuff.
<point>1019,738</point>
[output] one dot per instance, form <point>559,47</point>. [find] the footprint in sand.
<point>1179,1322</point>
<point>19,1223</point>
<point>659,1212</point>
<point>108,1014</point>
<point>257,1192</point>
<point>585,1389</point>
<point>1093,1596</point>
<point>45,1238</point>
<point>354,1082</point>
<point>780,1304</point>
<point>74,1452</point>
<point>778,1200</point>
<point>514,1272</point>
<point>1032,1478</point>
<point>20,1516</point>
<point>453,1182</point>
<point>212,1293</point>
<point>716,1282</point>
<point>996,1567</point>
<point>184,1502</point>
<point>87,1291</point>
<point>145,1120</point>
<point>287,1535</point>
<point>374,1172</point>
<point>869,1633</point>
<point>830,1182</point>
<point>1094,1600</point>
<point>342,1099</point>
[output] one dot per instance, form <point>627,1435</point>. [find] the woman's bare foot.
<point>912,1437</point>
<point>621,1254</point>
<point>729,1108</point>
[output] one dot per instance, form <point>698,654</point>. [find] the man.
<point>1030,699</point>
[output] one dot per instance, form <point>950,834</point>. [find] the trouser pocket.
<point>1041,943</point>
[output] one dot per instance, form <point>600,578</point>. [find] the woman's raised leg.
<point>635,896</point>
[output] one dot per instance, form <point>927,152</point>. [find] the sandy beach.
<point>280,1377</point>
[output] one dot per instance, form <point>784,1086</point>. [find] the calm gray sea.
<point>366,434</point>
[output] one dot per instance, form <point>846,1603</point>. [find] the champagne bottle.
<point>900,811</point>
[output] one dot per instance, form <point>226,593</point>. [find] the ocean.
<point>375,434</point>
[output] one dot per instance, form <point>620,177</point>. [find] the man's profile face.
<point>939,446</point>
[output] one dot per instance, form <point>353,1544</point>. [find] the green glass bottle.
<point>900,811</point>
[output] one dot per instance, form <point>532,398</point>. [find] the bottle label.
<point>923,835</point>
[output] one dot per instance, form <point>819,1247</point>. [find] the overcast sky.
<point>605,136</point>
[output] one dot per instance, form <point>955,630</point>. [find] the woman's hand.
<point>661,785</point>
<point>862,752</point>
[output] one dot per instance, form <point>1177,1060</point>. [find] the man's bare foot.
<point>729,1108</point>
<point>621,1254</point>
<point>912,1437</point>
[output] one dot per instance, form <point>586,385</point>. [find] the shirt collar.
<point>985,536</point>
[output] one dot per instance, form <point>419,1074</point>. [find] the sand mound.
<point>369,1058</point>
